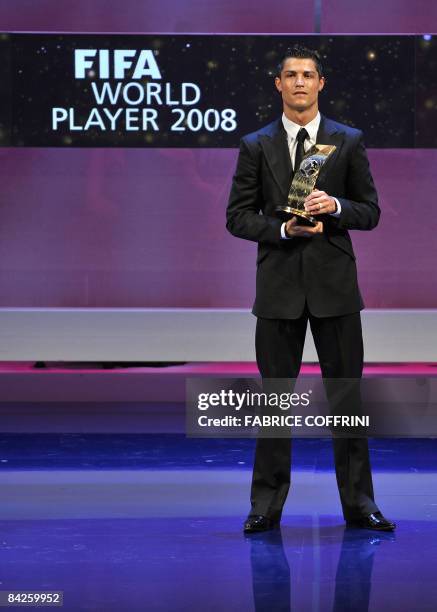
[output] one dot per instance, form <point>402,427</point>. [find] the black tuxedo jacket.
<point>320,270</point>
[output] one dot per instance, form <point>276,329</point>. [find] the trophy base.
<point>285,213</point>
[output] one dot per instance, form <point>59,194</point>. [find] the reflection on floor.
<point>151,522</point>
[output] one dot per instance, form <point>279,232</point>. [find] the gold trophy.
<point>303,184</point>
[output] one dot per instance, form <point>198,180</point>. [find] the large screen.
<point>117,154</point>
<point>203,91</point>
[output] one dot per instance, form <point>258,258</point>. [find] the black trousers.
<point>279,347</point>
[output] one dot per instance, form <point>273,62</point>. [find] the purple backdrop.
<point>379,16</point>
<point>114,227</point>
<point>132,227</point>
<point>151,16</point>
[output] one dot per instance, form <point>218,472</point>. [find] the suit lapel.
<point>275,147</point>
<point>329,135</point>
<point>277,154</point>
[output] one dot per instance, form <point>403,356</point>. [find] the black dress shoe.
<point>375,521</point>
<point>254,524</point>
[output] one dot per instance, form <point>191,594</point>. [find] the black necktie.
<point>302,135</point>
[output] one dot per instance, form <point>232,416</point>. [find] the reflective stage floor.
<point>153,522</point>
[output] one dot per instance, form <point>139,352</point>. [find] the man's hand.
<point>302,231</point>
<point>320,203</point>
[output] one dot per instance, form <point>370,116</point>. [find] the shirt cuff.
<point>283,234</point>
<point>338,211</point>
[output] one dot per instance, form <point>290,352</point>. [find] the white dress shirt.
<point>292,129</point>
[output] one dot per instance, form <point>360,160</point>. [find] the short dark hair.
<point>304,53</point>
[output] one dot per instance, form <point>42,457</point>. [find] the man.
<point>306,273</point>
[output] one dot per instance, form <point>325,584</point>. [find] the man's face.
<point>299,84</point>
